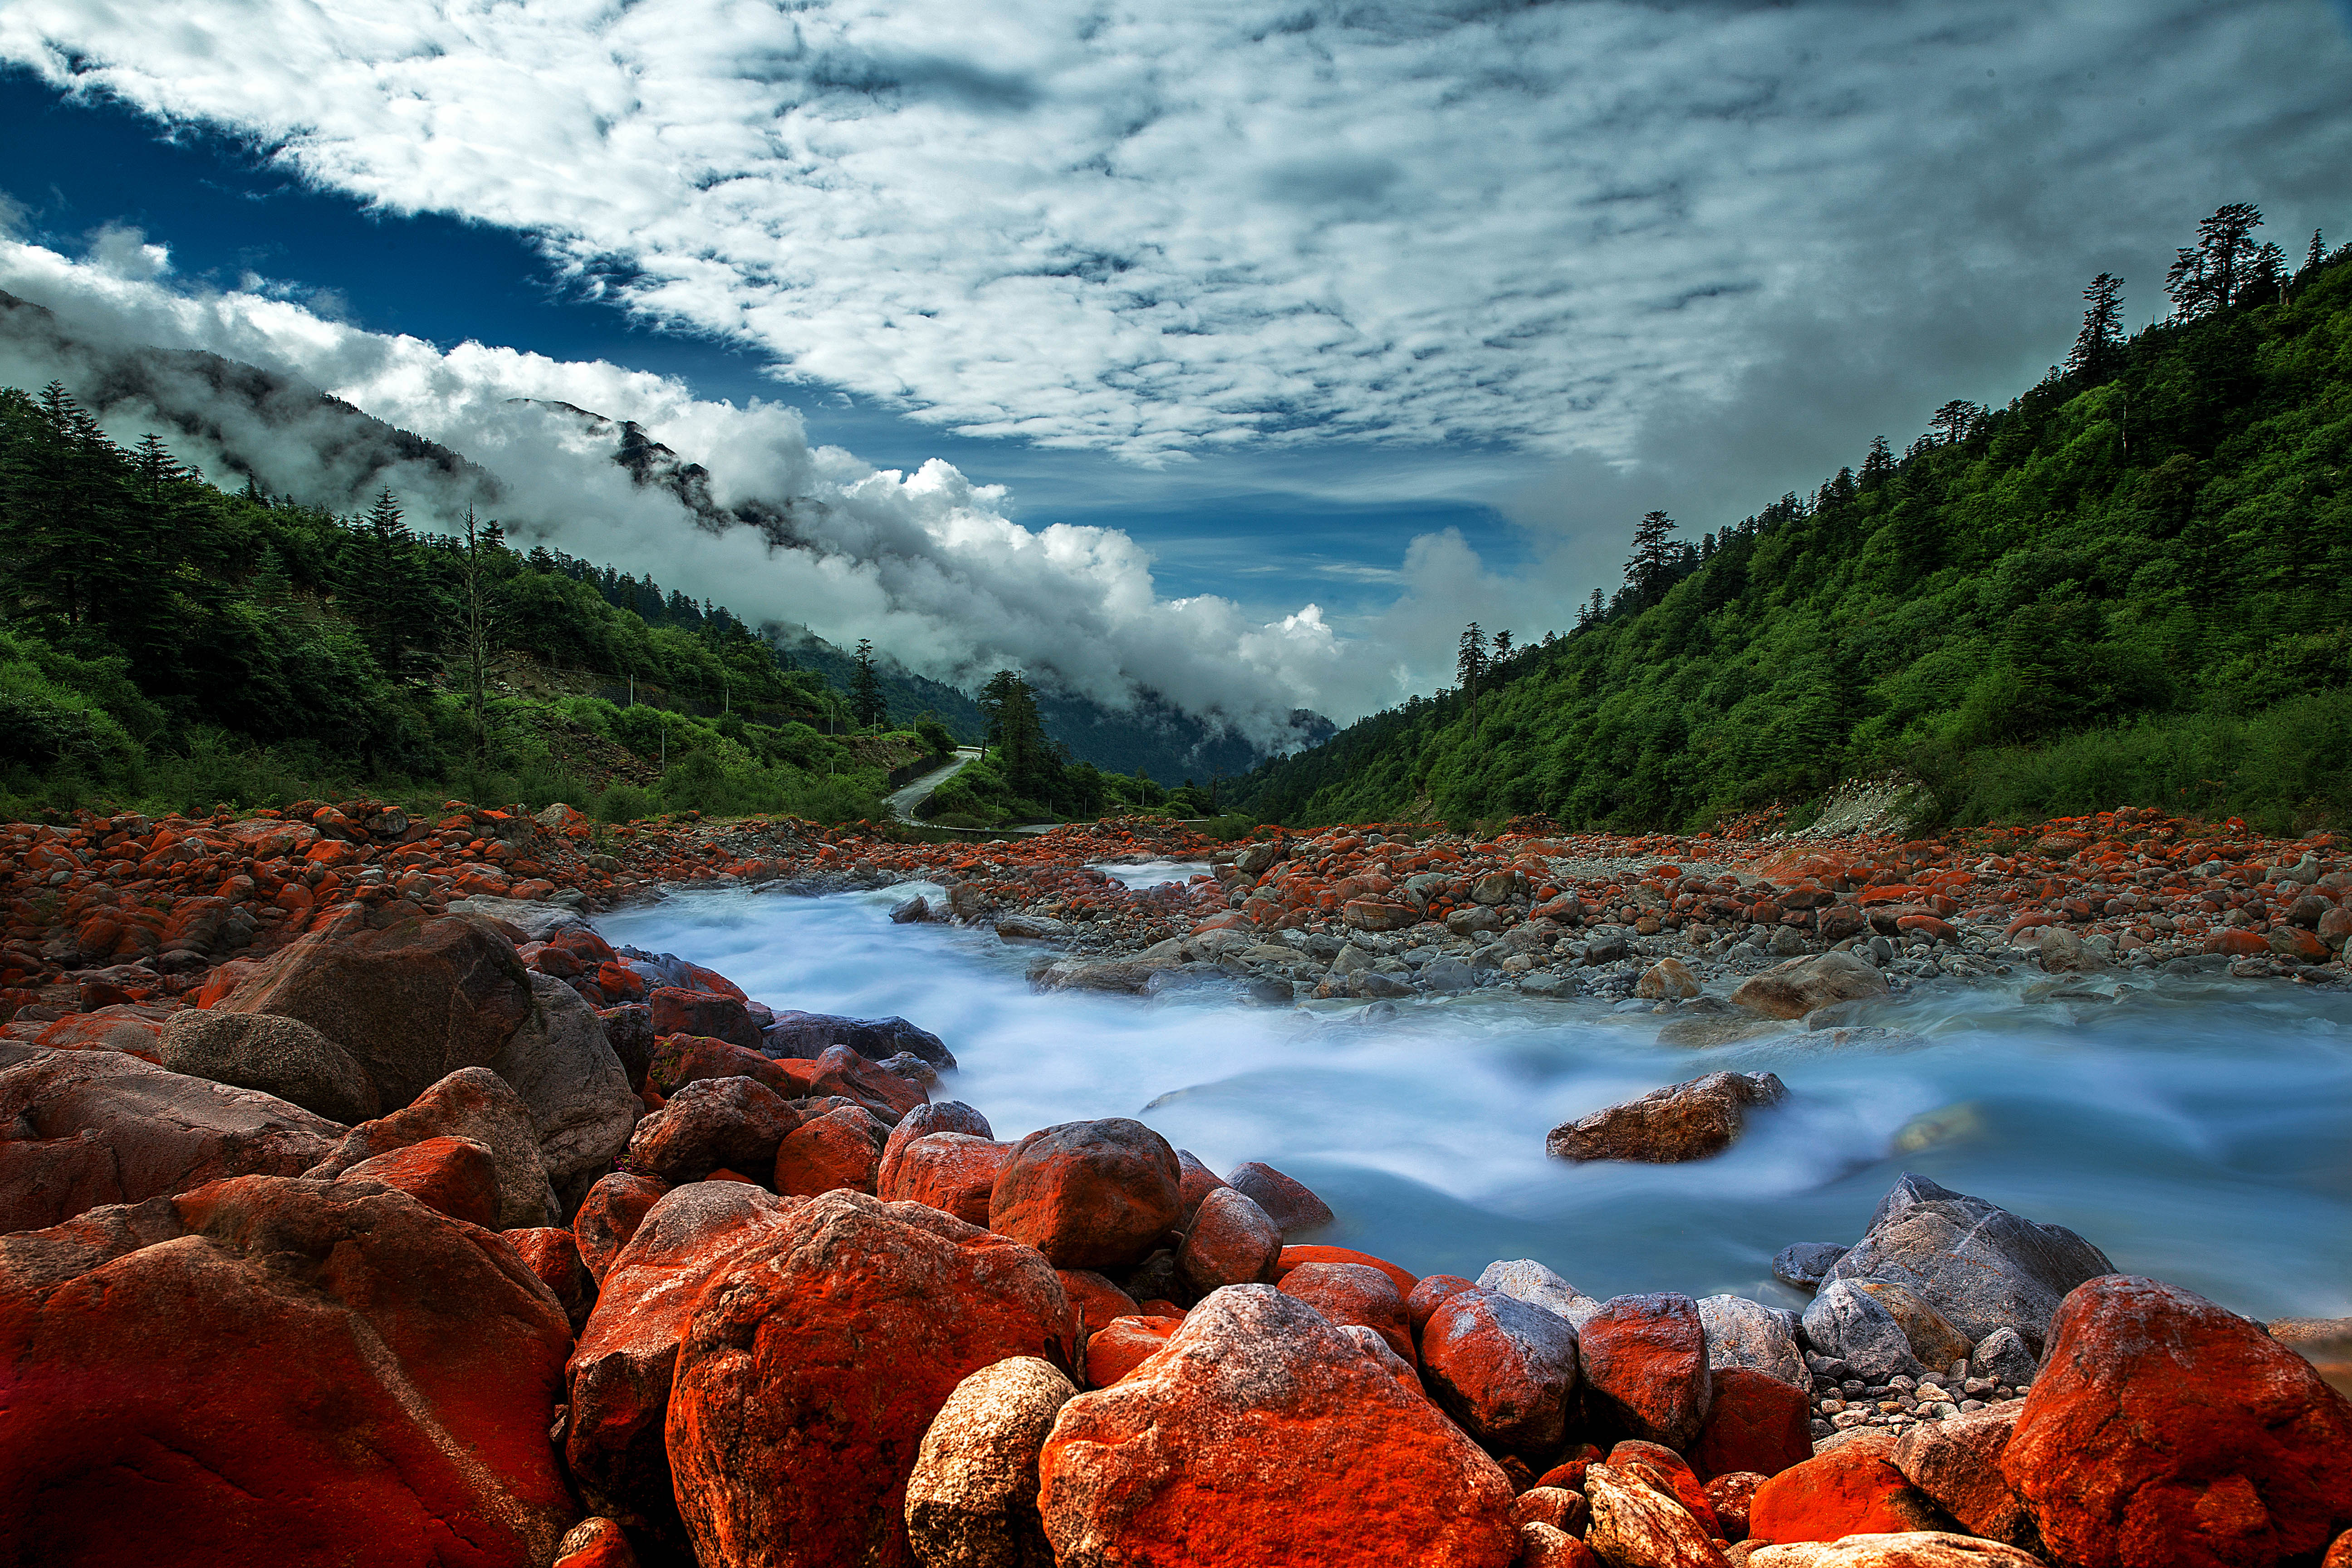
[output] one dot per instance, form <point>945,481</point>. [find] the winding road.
<point>902,803</point>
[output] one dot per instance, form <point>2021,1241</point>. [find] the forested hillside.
<point>2131,586</point>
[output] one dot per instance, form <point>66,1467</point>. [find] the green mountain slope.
<point>2132,585</point>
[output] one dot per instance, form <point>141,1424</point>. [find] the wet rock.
<point>1757,1423</point>
<point>710,1124</point>
<point>1088,1195</point>
<point>560,1061</point>
<point>972,1501</point>
<point>1852,1489</point>
<point>1262,1435</point>
<point>838,1151</point>
<point>1741,1332</point>
<point>1849,1323</point>
<point>1525,1279</point>
<point>1803,1264</point>
<point>553,1254</point>
<point>1504,1369</point>
<point>281,1057</point>
<point>1669,978</point>
<point>1354,1293</point>
<point>610,1215</point>
<point>1473,921</point>
<point>1637,1526</point>
<point>1231,1242</point>
<point>2165,1430</point>
<point>80,1128</point>
<point>1957,1462</point>
<point>805,1382</point>
<point>954,1172</point>
<point>807,1034</point>
<point>474,1103</point>
<point>454,1177</point>
<point>1793,989</point>
<point>1645,1363</point>
<point>1682,1121</point>
<point>1914,1549</point>
<point>620,1374</point>
<point>292,1372</point>
<point>1982,1267</point>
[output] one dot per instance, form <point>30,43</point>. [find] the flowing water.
<point>2197,1128</point>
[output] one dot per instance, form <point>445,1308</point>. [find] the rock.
<point>1645,1363</point>
<point>710,1015</point>
<point>1803,1264</point>
<point>1667,978</point>
<point>876,1039</point>
<point>474,1103</point>
<point>1852,1489</point>
<point>806,1381</point>
<point>292,1372</point>
<point>454,1177</point>
<point>1728,1493</point>
<point>2002,1357</point>
<point>1851,1324</point>
<point>1933,1340</point>
<point>1369,1342</point>
<point>281,1057</point>
<point>838,1151</point>
<point>1427,1294</point>
<point>1982,1267</point>
<point>710,1124</point>
<point>1526,1281</point>
<point>1095,1298</point>
<point>1637,1526</point>
<point>2165,1430</point>
<point>1682,1121</point>
<point>1261,1434</point>
<point>411,1004</point>
<point>610,1215</point>
<point>553,1254</point>
<point>536,920</point>
<point>842,1071</point>
<point>1957,1461</point>
<point>1231,1242</point>
<point>80,1128</point>
<point>1122,1344</point>
<point>620,1374</point>
<point>1354,1293</point>
<point>680,1059</point>
<point>567,1072</point>
<point>972,1501</point>
<point>1757,1425</point>
<point>1088,1195</point>
<point>1741,1332</point>
<point>1379,914</point>
<point>910,911</point>
<point>1502,1368</point>
<point>1554,1506</point>
<point>1303,1252</point>
<point>1545,1545</point>
<point>1793,989</point>
<point>1194,1181</point>
<point>1668,1472</point>
<point>2061,951</point>
<point>595,1542</point>
<point>2325,1342</point>
<point>1473,921</point>
<point>1912,1549</point>
<point>952,1171</point>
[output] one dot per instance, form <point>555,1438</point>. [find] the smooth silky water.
<point>2196,1128</point>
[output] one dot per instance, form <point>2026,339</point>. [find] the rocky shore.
<point>360,1202</point>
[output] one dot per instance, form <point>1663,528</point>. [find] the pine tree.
<point>2266,278</point>
<point>2314,259</point>
<point>477,620</point>
<point>394,605</point>
<point>2099,345</point>
<point>1649,571</point>
<point>2213,276</point>
<point>1502,648</point>
<point>1954,422</point>
<point>866,699</point>
<point>1470,667</point>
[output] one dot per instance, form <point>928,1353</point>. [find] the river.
<point>2197,1128</point>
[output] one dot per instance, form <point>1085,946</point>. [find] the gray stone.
<point>972,1501</point>
<point>1525,1279</point>
<point>1848,1323</point>
<point>1372,986</point>
<point>1980,1266</point>
<point>1745,1333</point>
<point>2003,1358</point>
<point>283,1056</point>
<point>537,921</point>
<point>567,1072</point>
<point>1805,1264</point>
<point>1448,974</point>
<point>473,1102</point>
<point>1550,984</point>
<point>1802,985</point>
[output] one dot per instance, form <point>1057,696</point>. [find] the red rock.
<point>553,1254</point>
<point>1088,1195</point>
<point>1261,1434</point>
<point>1504,1369</point>
<point>1288,1202</point>
<point>132,1030</point>
<point>1194,1182</point>
<point>834,1152</point>
<point>1542,1545</point>
<point>291,1372</point>
<point>1757,1423</point>
<point>1851,1490</point>
<point>1555,1506</point>
<point>954,1172</point>
<point>620,1374</point>
<point>1095,1298</point>
<point>1292,1256</point>
<point>1928,926</point>
<point>474,1103</point>
<point>2297,944</point>
<point>1670,1473</point>
<point>450,1176</point>
<point>711,1122</point>
<point>1638,1523</point>
<point>840,1070</point>
<point>938,1116</point>
<point>1427,1292</point>
<point>2162,1429</point>
<point>610,1215</point>
<point>1231,1242</point>
<point>79,1128</point>
<point>1645,1363</point>
<point>1122,1345</point>
<point>1379,914</point>
<point>596,1543</point>
<point>805,1383</point>
<point>1354,1293</point>
<point>1569,1473</point>
<point>709,1013</point>
<point>680,1059</point>
<point>1729,1493</point>
<point>2340,1554</point>
<point>2238,944</point>
<point>1957,1462</point>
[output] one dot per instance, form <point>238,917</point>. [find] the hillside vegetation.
<point>2132,586</point>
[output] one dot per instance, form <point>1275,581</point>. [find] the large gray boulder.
<point>1980,1266</point>
<point>1849,1323</point>
<point>474,1103</point>
<point>282,1056</point>
<point>567,1072</point>
<point>972,1500</point>
<point>1745,1333</point>
<point>1525,1279</point>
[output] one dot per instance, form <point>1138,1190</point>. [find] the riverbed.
<point>2198,1129</point>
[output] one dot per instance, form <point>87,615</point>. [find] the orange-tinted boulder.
<point>1505,1370</point>
<point>1645,1365</point>
<point>1122,1345</point>
<point>680,1059</point>
<point>954,1172</point>
<point>1353,1293</point>
<point>1195,1181</point>
<point>553,1254</point>
<point>2162,1429</point>
<point>474,1103</point>
<point>451,1175</point>
<point>620,1374</point>
<point>1261,1434</point>
<point>1637,1524</point>
<point>596,1543</point>
<point>836,1152</point>
<point>1757,1423</point>
<point>1088,1195</point>
<point>1670,1473</point>
<point>840,1070</point>
<point>805,1383</point>
<point>1095,1298</point>
<point>291,1372</point>
<point>1288,1201</point>
<point>713,1014</point>
<point>1729,1494</point>
<point>610,1215</point>
<point>934,1116</point>
<point>735,1122</point>
<point>1427,1292</point>
<point>1851,1490</point>
<point>1545,1545</point>
<point>1230,1242</point>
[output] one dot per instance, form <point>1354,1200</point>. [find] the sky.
<point>1252,347</point>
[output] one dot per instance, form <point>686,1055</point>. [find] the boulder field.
<point>359,1204</point>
